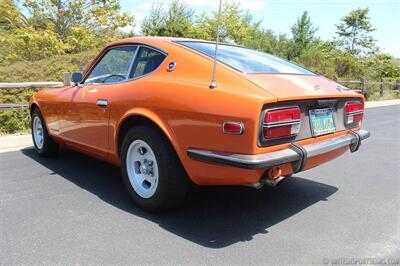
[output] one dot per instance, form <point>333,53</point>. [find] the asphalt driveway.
<point>74,210</point>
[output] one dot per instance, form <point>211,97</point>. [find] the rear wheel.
<point>42,141</point>
<point>151,170</point>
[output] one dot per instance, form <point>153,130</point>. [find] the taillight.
<point>354,112</point>
<point>281,123</point>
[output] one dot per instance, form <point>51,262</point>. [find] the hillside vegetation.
<point>49,69</point>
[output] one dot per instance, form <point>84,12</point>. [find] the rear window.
<point>247,60</point>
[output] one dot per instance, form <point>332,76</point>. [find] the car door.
<point>87,123</point>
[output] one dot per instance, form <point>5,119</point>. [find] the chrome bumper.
<point>296,154</point>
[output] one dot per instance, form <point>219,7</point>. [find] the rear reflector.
<point>281,123</point>
<point>354,113</point>
<point>236,128</point>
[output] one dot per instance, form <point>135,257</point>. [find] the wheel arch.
<point>147,117</point>
<point>33,106</point>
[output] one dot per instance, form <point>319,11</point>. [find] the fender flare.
<point>32,102</point>
<point>153,117</point>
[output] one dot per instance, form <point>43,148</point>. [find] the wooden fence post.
<point>382,85</point>
<point>67,79</point>
<point>362,85</point>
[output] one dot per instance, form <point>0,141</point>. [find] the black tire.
<point>50,147</point>
<point>172,178</point>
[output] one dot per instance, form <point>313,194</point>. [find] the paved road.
<point>74,209</point>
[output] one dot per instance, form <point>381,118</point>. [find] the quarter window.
<point>147,60</point>
<point>113,67</point>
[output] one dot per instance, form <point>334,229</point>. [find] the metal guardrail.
<point>13,106</point>
<point>21,106</point>
<point>36,85</point>
<point>45,84</point>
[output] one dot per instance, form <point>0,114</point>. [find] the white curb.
<point>14,143</point>
<point>381,103</point>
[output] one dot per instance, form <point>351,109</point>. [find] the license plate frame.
<point>322,121</point>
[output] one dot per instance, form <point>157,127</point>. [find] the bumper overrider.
<point>295,154</point>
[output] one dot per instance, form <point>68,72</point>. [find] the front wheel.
<point>42,141</point>
<point>151,170</point>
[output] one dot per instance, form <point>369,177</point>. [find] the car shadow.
<point>214,217</point>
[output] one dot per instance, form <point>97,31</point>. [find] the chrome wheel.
<point>142,168</point>
<point>37,131</point>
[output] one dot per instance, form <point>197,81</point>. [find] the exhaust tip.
<point>274,173</point>
<point>272,178</point>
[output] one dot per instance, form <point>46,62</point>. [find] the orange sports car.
<point>147,105</point>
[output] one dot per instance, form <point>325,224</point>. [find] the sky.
<point>279,16</point>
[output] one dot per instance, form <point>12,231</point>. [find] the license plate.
<point>321,121</point>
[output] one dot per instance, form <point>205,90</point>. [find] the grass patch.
<point>387,95</point>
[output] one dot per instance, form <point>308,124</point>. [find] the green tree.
<point>236,25</point>
<point>382,66</point>
<point>177,21</point>
<point>53,27</point>
<point>303,33</point>
<point>103,16</point>
<point>263,40</point>
<point>355,33</point>
<point>79,24</point>
<point>10,17</point>
<point>11,20</point>
<point>320,57</point>
<point>154,23</point>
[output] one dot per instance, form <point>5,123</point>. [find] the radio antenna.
<point>213,84</point>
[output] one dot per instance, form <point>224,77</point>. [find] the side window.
<point>113,67</point>
<point>146,61</point>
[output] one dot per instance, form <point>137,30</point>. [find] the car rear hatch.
<point>318,99</point>
<point>290,86</point>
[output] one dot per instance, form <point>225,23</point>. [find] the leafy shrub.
<point>13,121</point>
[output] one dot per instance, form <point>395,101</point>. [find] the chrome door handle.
<point>102,103</point>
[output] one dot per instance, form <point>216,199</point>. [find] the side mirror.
<point>76,77</point>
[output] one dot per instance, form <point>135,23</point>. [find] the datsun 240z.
<point>145,104</point>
